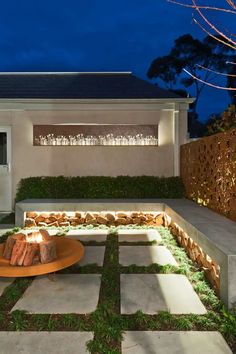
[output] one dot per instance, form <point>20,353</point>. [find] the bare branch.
<point>209,83</point>
<point>203,7</point>
<point>211,35</point>
<point>214,31</point>
<point>211,25</point>
<point>230,62</point>
<point>215,72</point>
<point>232,4</point>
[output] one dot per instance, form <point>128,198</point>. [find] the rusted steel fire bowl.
<point>69,252</point>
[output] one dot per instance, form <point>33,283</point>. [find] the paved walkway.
<point>44,342</point>
<point>79,293</point>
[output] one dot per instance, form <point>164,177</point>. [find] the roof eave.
<point>97,100</point>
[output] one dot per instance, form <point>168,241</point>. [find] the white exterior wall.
<point>29,160</point>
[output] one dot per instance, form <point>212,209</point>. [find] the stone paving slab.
<point>88,235</point>
<point>44,342</point>
<point>145,255</point>
<point>174,343</point>
<point>5,282</point>
<point>152,293</point>
<point>93,254</point>
<point>67,293</point>
<point>138,235</point>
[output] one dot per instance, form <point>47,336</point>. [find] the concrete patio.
<point>79,293</point>
<point>203,225</point>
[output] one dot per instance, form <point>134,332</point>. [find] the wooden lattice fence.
<point>208,170</point>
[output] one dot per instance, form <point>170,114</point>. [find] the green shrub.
<point>142,187</point>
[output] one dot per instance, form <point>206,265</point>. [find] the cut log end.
<point>21,251</point>
<point>47,251</point>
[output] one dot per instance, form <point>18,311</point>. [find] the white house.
<point>80,124</point>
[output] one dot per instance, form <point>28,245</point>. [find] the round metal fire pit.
<point>69,252</point>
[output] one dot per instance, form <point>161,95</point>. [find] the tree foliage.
<point>231,82</point>
<point>219,34</point>
<point>222,122</point>
<point>192,55</point>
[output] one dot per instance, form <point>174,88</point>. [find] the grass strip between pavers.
<point>106,322</point>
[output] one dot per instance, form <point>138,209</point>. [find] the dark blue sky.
<point>94,35</point>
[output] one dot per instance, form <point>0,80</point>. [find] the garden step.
<point>145,255</point>
<point>152,293</point>
<point>44,342</point>
<point>174,343</point>
<point>67,293</point>
<point>93,255</point>
<point>88,235</point>
<point>138,235</point>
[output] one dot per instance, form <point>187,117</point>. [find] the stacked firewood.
<point>196,253</point>
<point>30,249</point>
<point>34,219</point>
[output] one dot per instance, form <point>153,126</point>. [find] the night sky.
<point>95,35</point>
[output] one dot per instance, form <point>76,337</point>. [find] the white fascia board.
<point>95,101</point>
<point>20,73</point>
<point>92,104</point>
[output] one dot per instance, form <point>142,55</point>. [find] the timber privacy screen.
<point>95,135</point>
<point>208,170</point>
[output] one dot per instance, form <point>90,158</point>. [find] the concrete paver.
<point>93,255</point>
<point>145,255</point>
<point>44,342</point>
<point>88,235</point>
<point>174,343</point>
<point>138,235</point>
<point>68,293</point>
<point>152,293</point>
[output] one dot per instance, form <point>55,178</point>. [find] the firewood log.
<point>55,224</point>
<point>8,247</point>
<point>36,259</point>
<point>47,251</point>
<point>45,234</point>
<point>31,252</point>
<point>18,253</point>
<point>10,244</point>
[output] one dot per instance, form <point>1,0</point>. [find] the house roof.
<point>94,85</point>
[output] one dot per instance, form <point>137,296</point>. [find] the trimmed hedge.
<point>142,187</point>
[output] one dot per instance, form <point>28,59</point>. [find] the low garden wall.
<point>137,218</point>
<point>211,248</point>
<point>208,171</point>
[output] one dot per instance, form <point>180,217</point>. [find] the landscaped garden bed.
<point>137,218</point>
<point>107,322</point>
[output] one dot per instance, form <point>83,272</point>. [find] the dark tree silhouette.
<point>191,55</point>
<point>231,82</point>
<point>218,33</point>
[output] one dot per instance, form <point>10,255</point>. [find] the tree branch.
<point>209,83</point>
<point>215,72</point>
<point>202,7</point>
<point>210,24</point>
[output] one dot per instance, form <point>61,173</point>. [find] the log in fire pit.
<point>27,249</point>
<point>36,253</point>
